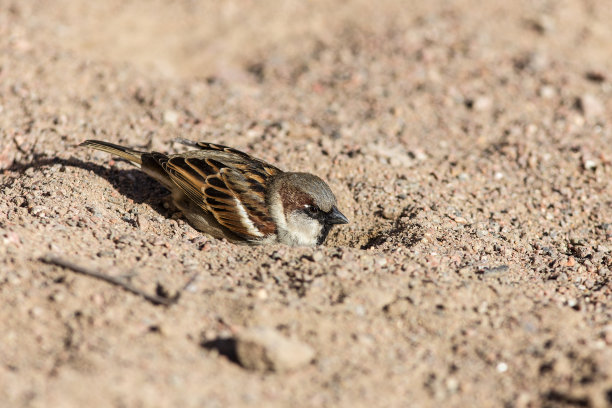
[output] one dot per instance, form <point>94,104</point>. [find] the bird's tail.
<point>124,152</point>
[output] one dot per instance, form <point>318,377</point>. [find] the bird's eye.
<point>311,209</point>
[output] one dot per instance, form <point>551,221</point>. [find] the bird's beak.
<point>336,217</point>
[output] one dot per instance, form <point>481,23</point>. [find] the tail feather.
<point>124,152</point>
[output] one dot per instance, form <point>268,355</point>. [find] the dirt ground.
<point>469,143</point>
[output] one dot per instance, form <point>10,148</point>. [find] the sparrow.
<point>230,194</point>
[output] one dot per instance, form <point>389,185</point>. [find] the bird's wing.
<point>221,152</point>
<point>234,195</point>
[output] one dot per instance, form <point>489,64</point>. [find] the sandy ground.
<point>470,145</point>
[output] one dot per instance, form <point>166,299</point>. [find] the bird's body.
<point>229,194</point>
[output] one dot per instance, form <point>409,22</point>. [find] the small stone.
<point>360,310</point>
<point>543,24</point>
<point>547,92</point>
<point>171,117</point>
<point>502,367</point>
<point>452,385</point>
<point>382,261</point>
<point>460,220</point>
<point>317,256</point>
<point>158,242</point>
<point>590,106</point>
<point>589,164</point>
<point>388,213</point>
<point>418,154</point>
<point>36,312</point>
<point>535,61</point>
<point>39,211</point>
<point>482,103</point>
<point>264,349</point>
<point>57,297</point>
<point>142,222</point>
<point>367,260</point>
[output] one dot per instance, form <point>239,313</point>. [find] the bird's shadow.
<point>131,183</point>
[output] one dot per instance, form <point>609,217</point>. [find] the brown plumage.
<point>229,194</point>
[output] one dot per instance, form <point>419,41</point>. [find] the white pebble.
<point>502,367</point>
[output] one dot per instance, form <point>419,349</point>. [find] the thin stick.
<point>156,300</point>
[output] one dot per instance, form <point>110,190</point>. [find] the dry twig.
<point>155,299</point>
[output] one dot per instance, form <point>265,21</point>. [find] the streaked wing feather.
<point>224,192</point>
<point>252,198</point>
<point>252,162</point>
<point>189,181</point>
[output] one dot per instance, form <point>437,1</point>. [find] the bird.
<point>226,193</point>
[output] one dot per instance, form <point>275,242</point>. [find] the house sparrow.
<point>229,194</point>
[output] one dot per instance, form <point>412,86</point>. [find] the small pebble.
<point>589,164</point>
<point>452,385</point>
<point>317,256</point>
<point>171,117</point>
<point>142,222</point>
<point>264,349</point>
<point>382,261</point>
<point>547,92</point>
<point>39,211</point>
<point>590,106</point>
<point>482,103</point>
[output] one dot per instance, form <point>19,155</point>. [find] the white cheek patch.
<point>303,229</point>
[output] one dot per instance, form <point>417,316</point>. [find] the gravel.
<point>472,152</point>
